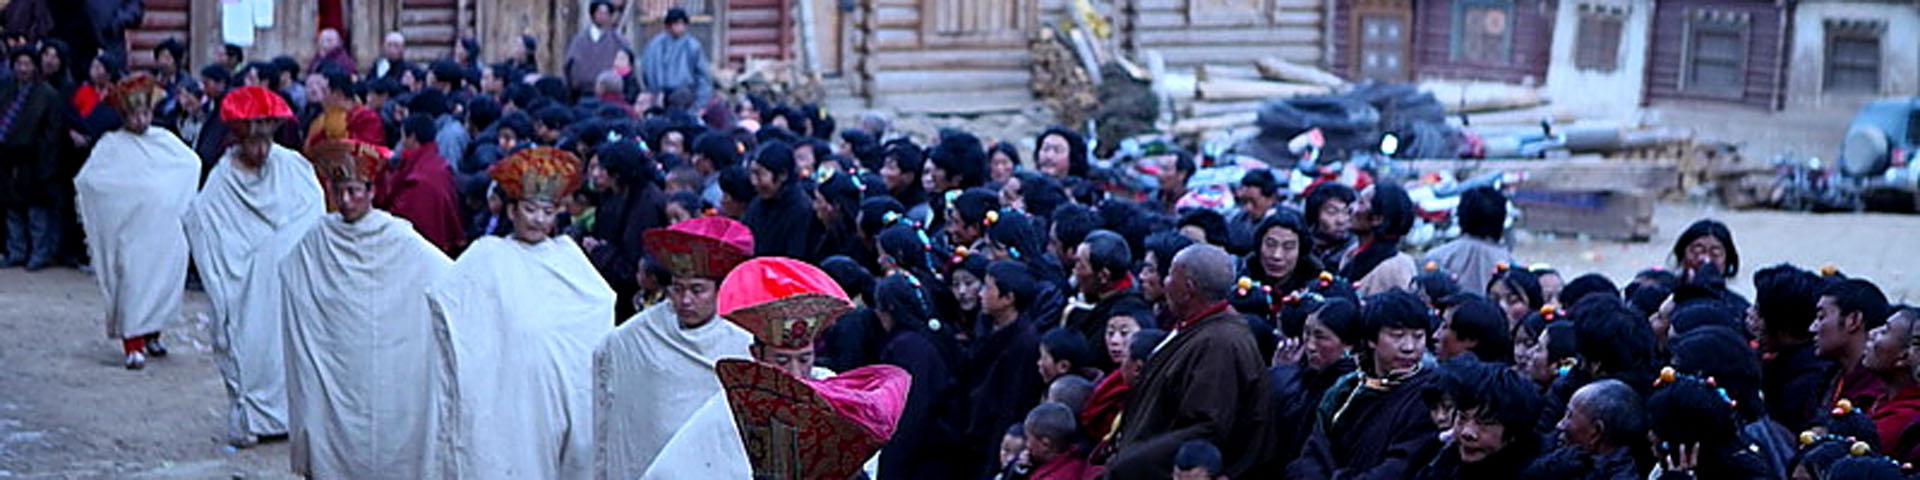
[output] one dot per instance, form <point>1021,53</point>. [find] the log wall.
<point>1186,35</point>
<point>904,61</point>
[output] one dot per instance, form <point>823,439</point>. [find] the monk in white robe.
<point>133,193</point>
<point>257,204</point>
<point>653,371</point>
<point>517,320</point>
<point>360,346</point>
<point>785,304</point>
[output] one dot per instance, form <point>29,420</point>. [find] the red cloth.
<point>800,428</point>
<point>421,191</point>
<point>1068,466</point>
<point>1858,385</point>
<point>86,98</point>
<point>705,247</point>
<point>1108,400</point>
<point>781,301</point>
<point>1892,416</point>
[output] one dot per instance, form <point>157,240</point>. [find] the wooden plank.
<point>1586,173</point>
<point>1159,19</point>
<point>897,3</point>
<point>1236,89</point>
<point>1605,214</point>
<point>954,59</point>
<point>1170,5</point>
<point>1299,18</point>
<point>902,17</point>
<point>896,39</point>
<point>165,20</point>
<point>1281,70</point>
<point>1299,4</point>
<point>950,81</point>
<point>984,101</point>
<point>1250,37</point>
<point>428,34</point>
<point>1187,56</point>
<point>754,35</point>
<point>427,16</point>
<point>753,17</point>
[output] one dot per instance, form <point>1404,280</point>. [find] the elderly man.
<point>256,206</point>
<point>332,53</point>
<point>393,57</point>
<point>1604,419</point>
<point>674,61</point>
<point>133,193</point>
<point>593,49</point>
<point>778,399</point>
<point>358,331</point>
<point>655,369</point>
<point>1203,379</point>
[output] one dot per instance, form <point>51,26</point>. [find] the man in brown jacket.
<point>1202,382</point>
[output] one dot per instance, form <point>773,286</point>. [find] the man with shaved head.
<point>1202,381</point>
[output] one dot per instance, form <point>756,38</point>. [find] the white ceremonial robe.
<point>240,227</point>
<point>517,325</point>
<point>709,445</point>
<point>648,377</point>
<point>132,196</point>
<point>361,354</point>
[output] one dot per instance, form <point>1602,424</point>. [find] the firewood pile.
<point>1060,80</point>
<point>778,80</point>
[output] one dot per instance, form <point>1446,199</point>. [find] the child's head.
<point>683,206</point>
<point>1014,442</point>
<point>1198,460</point>
<point>685,178</point>
<point>580,202</point>
<point>1062,351</point>
<point>1070,390</point>
<point>1051,430</point>
<point>1139,349</point>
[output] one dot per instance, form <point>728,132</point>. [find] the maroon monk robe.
<point>421,191</point>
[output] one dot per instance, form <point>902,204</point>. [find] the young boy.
<point>1198,460</point>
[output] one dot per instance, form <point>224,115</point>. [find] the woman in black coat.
<point>633,204</point>
<point>924,443</point>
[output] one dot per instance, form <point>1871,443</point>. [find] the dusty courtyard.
<point>67,409</point>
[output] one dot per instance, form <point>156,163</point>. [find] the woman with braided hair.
<point>923,443</point>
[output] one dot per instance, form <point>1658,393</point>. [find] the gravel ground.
<point>67,409</point>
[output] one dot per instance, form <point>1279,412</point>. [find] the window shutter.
<point>1853,55</point>
<point>1597,47</point>
<point>1716,53</point>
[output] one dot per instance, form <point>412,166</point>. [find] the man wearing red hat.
<point>655,369</point>
<point>256,205</point>
<point>132,193</point>
<point>516,320</point>
<point>360,339</point>
<point>775,419</point>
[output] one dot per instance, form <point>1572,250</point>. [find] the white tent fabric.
<point>648,377</point>
<point>132,196</point>
<point>240,227</point>
<point>517,325</point>
<point>361,353</point>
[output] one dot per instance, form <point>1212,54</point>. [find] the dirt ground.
<point>67,409</point>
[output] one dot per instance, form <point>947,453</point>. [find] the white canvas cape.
<point>360,351</point>
<point>240,227</point>
<point>132,195</point>
<point>516,325</point>
<point>648,377</point>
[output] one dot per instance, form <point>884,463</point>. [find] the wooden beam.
<point>1236,89</point>
<point>1285,71</point>
<point>1247,38</point>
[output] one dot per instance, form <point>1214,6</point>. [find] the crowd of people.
<point>483,270</point>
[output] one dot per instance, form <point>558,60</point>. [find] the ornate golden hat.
<point>139,90</point>
<point>539,173</point>
<point>802,429</point>
<point>348,160</point>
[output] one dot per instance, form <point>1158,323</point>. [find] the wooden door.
<point>1383,37</point>
<point>828,34</point>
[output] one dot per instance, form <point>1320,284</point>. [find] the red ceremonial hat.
<point>782,301</point>
<point>812,429</point>
<point>705,247</point>
<point>253,102</point>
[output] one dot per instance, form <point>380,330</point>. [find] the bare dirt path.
<point>68,409</point>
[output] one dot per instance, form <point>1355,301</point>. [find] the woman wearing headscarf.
<point>633,205</point>
<point>1383,214</point>
<point>781,212</point>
